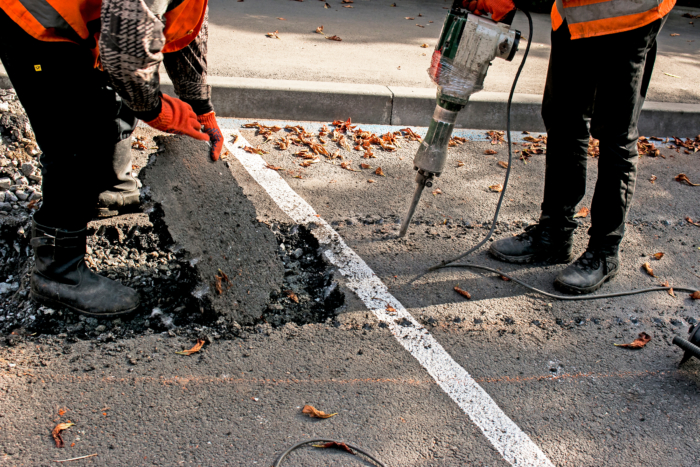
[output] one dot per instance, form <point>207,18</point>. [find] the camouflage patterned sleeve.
<point>131,40</point>
<point>187,69</point>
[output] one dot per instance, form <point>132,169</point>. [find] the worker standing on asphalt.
<point>602,57</point>
<point>85,71</point>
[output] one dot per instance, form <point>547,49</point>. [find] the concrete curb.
<point>395,105</point>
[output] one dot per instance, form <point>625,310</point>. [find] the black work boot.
<point>536,244</point>
<point>123,193</point>
<point>588,273</point>
<point>61,278</point>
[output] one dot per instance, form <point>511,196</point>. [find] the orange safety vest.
<point>589,18</point>
<point>78,21</point>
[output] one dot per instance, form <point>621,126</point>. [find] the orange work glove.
<point>210,127</point>
<point>178,118</point>
<point>498,8</point>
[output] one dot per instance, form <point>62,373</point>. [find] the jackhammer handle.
<point>689,347</point>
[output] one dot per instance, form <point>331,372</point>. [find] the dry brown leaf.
<point>504,278</point>
<point>61,412</point>
<point>683,178</point>
<point>336,445</point>
<point>257,150</point>
<point>583,212</point>
<point>674,34</point>
<point>219,280</point>
<point>379,172</point>
<point>490,152</point>
<point>657,256</point>
<point>334,38</point>
<point>463,292</point>
<point>460,164</point>
<point>365,166</point>
<point>437,191</point>
<point>424,46</point>
<point>410,18</point>
<point>497,188</point>
<point>319,29</point>
<point>346,166</point>
<point>420,25</point>
<point>503,164</point>
<point>348,6</point>
<point>670,289</point>
<point>273,35</point>
<point>281,19</point>
<point>390,309</point>
<point>369,180</point>
<point>326,5</point>
<point>292,296</point>
<point>638,343</point>
<point>695,295</point>
<point>690,221</point>
<point>648,269</point>
<point>197,347</point>
<point>56,433</point>
<point>273,167</point>
<point>312,412</point>
<point>652,179</point>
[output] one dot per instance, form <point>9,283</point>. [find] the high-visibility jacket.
<point>78,21</point>
<point>589,18</point>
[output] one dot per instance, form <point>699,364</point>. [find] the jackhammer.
<point>468,44</point>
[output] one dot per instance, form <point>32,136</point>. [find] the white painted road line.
<point>515,446</point>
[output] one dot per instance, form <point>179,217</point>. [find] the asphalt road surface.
<point>554,389</point>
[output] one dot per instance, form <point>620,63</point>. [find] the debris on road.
<point>657,256</point>
<point>463,292</point>
<point>648,269</point>
<point>335,445</point>
<point>56,433</point>
<point>638,343</point>
<point>197,347</point>
<point>312,412</point>
<point>583,212</point>
<point>683,178</point>
<point>273,35</point>
<point>76,458</point>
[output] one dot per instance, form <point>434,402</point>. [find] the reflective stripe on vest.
<point>589,18</point>
<point>78,20</point>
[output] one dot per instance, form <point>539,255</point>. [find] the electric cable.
<point>451,262</point>
<point>282,456</point>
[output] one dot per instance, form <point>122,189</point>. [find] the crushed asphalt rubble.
<point>138,250</point>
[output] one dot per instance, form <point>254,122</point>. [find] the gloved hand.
<point>498,8</point>
<point>208,120</point>
<point>178,118</point>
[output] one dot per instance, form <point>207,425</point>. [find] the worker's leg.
<point>73,117</point>
<point>627,60</point>
<point>565,109</point>
<point>628,63</point>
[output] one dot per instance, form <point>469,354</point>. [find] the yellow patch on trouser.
<point>37,67</point>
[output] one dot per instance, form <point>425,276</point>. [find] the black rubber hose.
<point>450,262</point>
<point>282,456</point>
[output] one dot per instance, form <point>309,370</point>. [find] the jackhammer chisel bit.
<point>467,45</point>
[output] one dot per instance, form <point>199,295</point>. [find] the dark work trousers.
<point>598,83</point>
<point>77,120</point>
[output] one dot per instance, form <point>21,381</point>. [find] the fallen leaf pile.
<point>197,347</point>
<point>56,433</point>
<point>593,147</point>
<point>638,343</point>
<point>496,136</point>
<point>533,146</point>
<point>312,412</point>
<point>646,147</point>
<point>456,141</point>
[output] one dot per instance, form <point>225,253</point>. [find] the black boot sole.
<point>53,303</point>
<point>526,259</point>
<point>573,290</point>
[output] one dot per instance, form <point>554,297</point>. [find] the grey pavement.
<point>551,366</point>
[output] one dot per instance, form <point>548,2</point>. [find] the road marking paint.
<point>511,442</point>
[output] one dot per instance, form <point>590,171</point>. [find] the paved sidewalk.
<point>377,40</point>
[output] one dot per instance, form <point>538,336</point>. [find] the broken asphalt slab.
<point>208,216</point>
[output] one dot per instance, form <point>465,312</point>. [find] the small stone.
<point>28,169</point>
<point>5,183</point>
<point>298,253</point>
<point>21,195</point>
<point>101,328</point>
<point>10,197</point>
<point>4,106</point>
<point>5,288</point>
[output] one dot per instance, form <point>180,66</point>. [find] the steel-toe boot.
<point>538,243</point>
<point>589,272</point>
